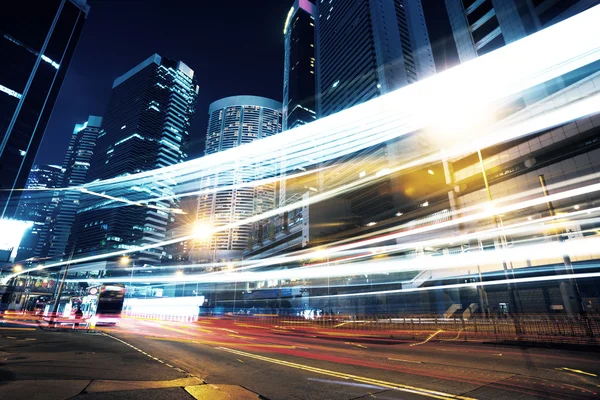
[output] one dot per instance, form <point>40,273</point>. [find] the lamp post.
<point>203,231</point>
<point>125,261</point>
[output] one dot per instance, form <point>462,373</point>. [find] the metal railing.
<point>529,328</point>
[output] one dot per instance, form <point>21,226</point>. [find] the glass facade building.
<point>366,49</point>
<point>235,121</point>
<point>76,165</point>
<point>145,127</point>
<point>299,103</point>
<point>39,205</point>
<point>36,45</point>
<point>481,26</point>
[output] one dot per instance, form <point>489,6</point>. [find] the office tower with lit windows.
<point>37,41</point>
<point>235,121</point>
<point>299,104</point>
<point>145,127</point>
<point>366,49</point>
<point>479,26</point>
<point>38,205</point>
<point>76,165</point>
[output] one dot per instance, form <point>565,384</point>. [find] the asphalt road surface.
<point>308,362</point>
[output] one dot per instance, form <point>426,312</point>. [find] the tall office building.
<point>146,126</point>
<point>235,121</point>
<point>299,104</point>
<point>76,165</point>
<point>37,43</point>
<point>366,49</point>
<point>38,205</point>
<point>479,26</point>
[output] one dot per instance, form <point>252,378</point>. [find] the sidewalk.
<point>38,364</point>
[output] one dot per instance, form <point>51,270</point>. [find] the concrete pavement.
<point>39,364</point>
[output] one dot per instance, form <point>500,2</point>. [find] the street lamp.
<point>125,261</point>
<point>204,231</point>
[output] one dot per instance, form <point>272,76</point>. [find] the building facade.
<point>479,27</point>
<point>369,48</point>
<point>299,103</point>
<point>76,165</point>
<point>145,127</point>
<point>39,205</point>
<point>366,49</point>
<point>37,43</point>
<point>235,121</point>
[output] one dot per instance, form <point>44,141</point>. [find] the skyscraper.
<point>479,27</point>
<point>75,166</point>
<point>38,205</point>
<point>299,105</point>
<point>146,126</point>
<point>235,121</point>
<point>37,43</point>
<point>366,49</point>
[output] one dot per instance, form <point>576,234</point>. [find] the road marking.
<point>577,371</point>
<point>241,361</point>
<point>11,337</point>
<point>499,354</point>
<point>17,329</point>
<point>396,386</point>
<point>408,361</point>
<point>213,343</point>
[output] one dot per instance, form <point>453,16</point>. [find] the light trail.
<point>368,242</point>
<point>485,79</point>
<point>493,258</point>
<point>406,110</point>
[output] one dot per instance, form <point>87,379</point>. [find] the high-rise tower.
<point>299,105</point>
<point>235,121</point>
<point>146,126</point>
<point>479,26</point>
<point>38,205</point>
<point>36,45</point>
<point>75,166</point>
<point>366,49</point>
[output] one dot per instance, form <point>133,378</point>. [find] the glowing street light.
<point>202,230</point>
<point>179,273</point>
<point>17,268</point>
<point>124,260</point>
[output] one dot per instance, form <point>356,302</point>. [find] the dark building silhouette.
<point>36,45</point>
<point>146,126</point>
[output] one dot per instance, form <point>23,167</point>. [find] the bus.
<point>104,303</point>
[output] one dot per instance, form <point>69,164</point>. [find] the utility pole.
<point>568,289</point>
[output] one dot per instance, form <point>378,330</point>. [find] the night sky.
<point>235,47</point>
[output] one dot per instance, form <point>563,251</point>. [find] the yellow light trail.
<point>390,385</point>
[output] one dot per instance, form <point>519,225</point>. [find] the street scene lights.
<point>201,231</point>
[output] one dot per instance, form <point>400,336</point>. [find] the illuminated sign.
<point>94,290</point>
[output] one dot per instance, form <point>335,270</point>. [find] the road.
<point>309,362</point>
